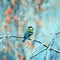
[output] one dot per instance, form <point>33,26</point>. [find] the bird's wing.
<point>28,34</point>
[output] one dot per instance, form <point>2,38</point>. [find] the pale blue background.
<point>51,20</point>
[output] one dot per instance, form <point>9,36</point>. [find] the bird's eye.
<point>31,28</point>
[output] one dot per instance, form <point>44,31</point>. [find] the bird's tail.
<point>24,40</point>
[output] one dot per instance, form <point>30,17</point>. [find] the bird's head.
<point>30,27</point>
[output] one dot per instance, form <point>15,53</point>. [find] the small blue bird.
<point>28,33</point>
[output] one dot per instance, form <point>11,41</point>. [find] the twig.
<point>34,41</point>
<point>38,53</point>
<point>47,47</point>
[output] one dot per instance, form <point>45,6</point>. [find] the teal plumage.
<point>28,33</point>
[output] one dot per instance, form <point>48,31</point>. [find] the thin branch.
<point>23,37</point>
<point>11,36</point>
<point>38,53</point>
<point>55,50</point>
<point>34,41</point>
<point>47,47</point>
<point>44,50</point>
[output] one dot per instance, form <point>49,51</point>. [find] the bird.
<point>28,33</point>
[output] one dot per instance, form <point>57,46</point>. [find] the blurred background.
<point>16,16</point>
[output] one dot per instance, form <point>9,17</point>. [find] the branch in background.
<point>38,53</point>
<point>34,41</point>
<point>47,47</point>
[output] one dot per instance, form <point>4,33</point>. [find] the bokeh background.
<point>16,16</point>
